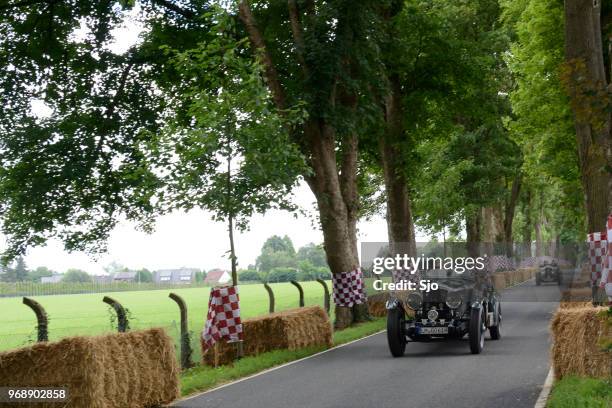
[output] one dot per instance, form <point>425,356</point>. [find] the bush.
<point>249,275</point>
<point>144,275</point>
<point>76,276</point>
<point>282,275</point>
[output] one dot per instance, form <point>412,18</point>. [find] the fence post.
<point>299,287</point>
<point>41,317</point>
<point>186,350</point>
<point>122,321</point>
<point>271,296</point>
<point>326,295</point>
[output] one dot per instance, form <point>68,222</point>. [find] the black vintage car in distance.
<point>548,272</point>
<point>458,307</point>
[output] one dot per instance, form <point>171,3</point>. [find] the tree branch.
<point>258,43</point>
<point>171,6</point>
<point>298,36</point>
<point>21,4</point>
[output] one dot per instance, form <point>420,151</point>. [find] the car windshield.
<point>443,274</point>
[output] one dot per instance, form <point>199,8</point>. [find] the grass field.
<point>86,314</point>
<point>577,392</point>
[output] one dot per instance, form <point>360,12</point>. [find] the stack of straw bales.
<point>290,329</point>
<point>124,370</point>
<point>578,337</point>
<point>377,304</point>
<point>574,305</point>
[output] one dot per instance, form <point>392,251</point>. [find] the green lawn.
<point>86,314</point>
<point>575,392</point>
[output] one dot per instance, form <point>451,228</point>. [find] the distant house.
<point>102,278</point>
<point>55,278</point>
<point>175,276</point>
<point>217,276</point>
<point>128,276</point>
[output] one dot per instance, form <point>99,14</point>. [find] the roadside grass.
<point>579,392</point>
<point>203,378</point>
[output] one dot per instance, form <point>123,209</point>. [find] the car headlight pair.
<point>415,300</point>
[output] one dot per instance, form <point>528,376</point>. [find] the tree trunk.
<point>584,56</point>
<point>528,226</point>
<point>400,225</point>
<point>538,227</point>
<point>509,214</point>
<point>473,233</point>
<point>336,197</point>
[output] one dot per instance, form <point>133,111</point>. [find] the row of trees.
<point>451,116</point>
<point>279,262</point>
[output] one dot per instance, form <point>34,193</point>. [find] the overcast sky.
<point>191,239</point>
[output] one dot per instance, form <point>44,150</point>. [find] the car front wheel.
<point>477,330</point>
<point>496,330</point>
<point>395,331</point>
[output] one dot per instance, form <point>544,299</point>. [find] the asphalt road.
<point>509,372</point>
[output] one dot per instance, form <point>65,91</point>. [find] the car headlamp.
<point>453,300</point>
<point>415,300</point>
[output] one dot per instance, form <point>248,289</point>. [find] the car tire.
<point>559,278</point>
<point>395,331</point>
<point>477,330</point>
<point>538,282</point>
<point>495,331</point>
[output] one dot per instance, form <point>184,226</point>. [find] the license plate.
<point>434,330</point>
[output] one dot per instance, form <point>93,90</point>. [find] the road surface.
<point>509,372</point>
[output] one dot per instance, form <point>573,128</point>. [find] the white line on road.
<point>546,388</point>
<point>278,367</point>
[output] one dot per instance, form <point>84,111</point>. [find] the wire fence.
<point>86,314</point>
<point>14,289</point>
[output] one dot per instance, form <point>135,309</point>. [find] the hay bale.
<point>290,329</point>
<point>576,295</point>
<point>123,370</point>
<point>578,336</point>
<point>499,281</point>
<point>576,284</point>
<point>377,304</point>
<point>574,305</point>
<point>510,277</point>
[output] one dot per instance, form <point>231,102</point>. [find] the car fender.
<point>392,304</point>
<point>476,304</point>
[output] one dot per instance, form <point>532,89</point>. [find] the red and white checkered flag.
<point>597,252</point>
<point>404,275</point>
<point>348,288</point>
<point>223,320</point>
<point>606,276</point>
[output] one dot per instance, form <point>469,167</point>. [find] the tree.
<point>41,271</point>
<point>586,77</point>
<point>542,123</point>
<point>281,274</point>
<point>143,275</point>
<point>326,54</point>
<point>17,272</point>
<point>276,252</point>
<point>76,276</point>
<point>315,254</point>
<point>249,275</point>
<point>234,156</point>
